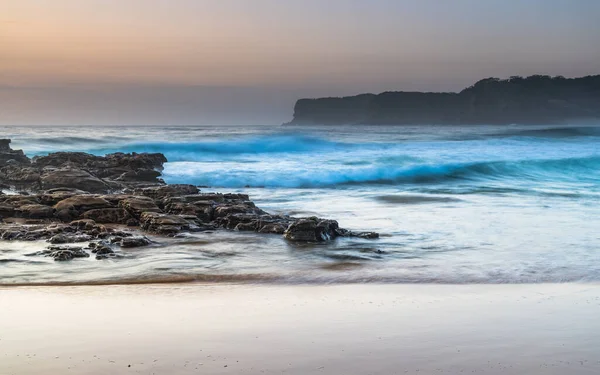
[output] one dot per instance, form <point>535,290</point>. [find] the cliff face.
<point>532,100</point>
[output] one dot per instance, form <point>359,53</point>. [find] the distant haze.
<point>247,61</point>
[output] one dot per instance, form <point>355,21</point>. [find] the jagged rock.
<point>312,230</point>
<point>326,230</point>
<point>9,156</point>
<point>303,230</point>
<point>95,174</point>
<point>138,205</point>
<point>73,178</point>
<point>135,241</point>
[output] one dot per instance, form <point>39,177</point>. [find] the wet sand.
<point>342,329</point>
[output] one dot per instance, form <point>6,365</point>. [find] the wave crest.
<point>571,169</point>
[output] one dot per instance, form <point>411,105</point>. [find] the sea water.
<point>475,204</point>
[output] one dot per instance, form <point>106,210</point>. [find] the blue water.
<point>470,204</point>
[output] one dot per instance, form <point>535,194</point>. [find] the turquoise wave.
<point>549,170</point>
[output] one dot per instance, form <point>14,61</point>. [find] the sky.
<point>187,62</point>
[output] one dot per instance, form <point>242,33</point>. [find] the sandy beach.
<point>341,329</point>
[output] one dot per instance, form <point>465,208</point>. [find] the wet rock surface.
<point>111,201</point>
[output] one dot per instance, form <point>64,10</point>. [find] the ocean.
<point>470,204</point>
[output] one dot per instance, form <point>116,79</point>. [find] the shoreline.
<point>293,329</point>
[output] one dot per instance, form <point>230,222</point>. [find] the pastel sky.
<point>247,61</point>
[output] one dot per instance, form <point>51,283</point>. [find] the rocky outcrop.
<point>62,253</point>
<point>314,229</point>
<point>76,209</point>
<point>9,156</point>
<point>71,216</point>
<point>79,170</point>
<point>533,100</point>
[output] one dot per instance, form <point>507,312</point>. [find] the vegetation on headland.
<point>538,99</point>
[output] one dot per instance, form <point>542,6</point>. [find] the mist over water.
<point>485,204</point>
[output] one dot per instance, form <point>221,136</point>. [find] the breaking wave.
<point>570,169</point>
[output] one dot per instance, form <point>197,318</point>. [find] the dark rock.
<point>222,211</point>
<point>247,227</point>
<point>139,175</point>
<point>73,207</point>
<point>7,210</point>
<point>19,200</point>
<point>9,156</point>
<point>108,215</point>
<point>13,234</point>
<point>5,145</point>
<point>233,220</point>
<point>102,250</point>
<point>136,206</point>
<point>69,238</point>
<point>85,224</point>
<point>53,196</point>
<point>303,230</point>
<point>165,224</point>
<point>73,178</point>
<point>114,199</point>
<point>326,230</point>
<point>59,159</point>
<point>62,253</point>
<point>35,211</point>
<point>203,211</point>
<point>161,192</point>
<point>367,235</point>
<point>82,203</point>
<point>135,241</point>
<point>312,230</point>
<point>132,222</point>
<point>272,228</point>
<point>20,176</point>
